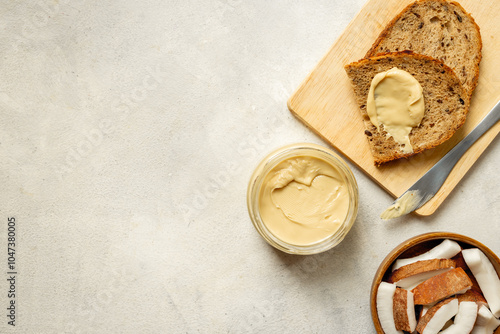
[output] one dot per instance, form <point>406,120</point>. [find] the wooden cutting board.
<point>325,100</point>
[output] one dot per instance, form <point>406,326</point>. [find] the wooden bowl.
<point>415,246</point>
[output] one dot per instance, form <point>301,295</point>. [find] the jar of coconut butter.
<point>303,199</point>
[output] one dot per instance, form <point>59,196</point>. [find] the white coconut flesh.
<point>412,319</point>
<point>454,317</point>
<point>425,308</point>
<point>385,295</point>
<point>412,281</point>
<point>445,250</point>
<point>486,323</point>
<point>486,277</point>
<point>445,313</point>
<point>464,320</point>
<point>447,324</point>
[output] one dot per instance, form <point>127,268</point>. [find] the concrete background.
<point>129,131</point>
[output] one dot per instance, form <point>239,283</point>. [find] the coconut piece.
<point>473,296</point>
<point>452,282</point>
<point>464,320</point>
<point>448,323</point>
<point>445,250</point>
<point>486,276</point>
<point>404,310</point>
<point>420,267</point>
<point>411,282</point>
<point>413,274</point>
<point>475,284</point>
<point>435,318</point>
<point>424,309</point>
<point>385,294</point>
<point>485,322</point>
<point>460,262</point>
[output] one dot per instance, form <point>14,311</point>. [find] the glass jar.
<point>296,151</point>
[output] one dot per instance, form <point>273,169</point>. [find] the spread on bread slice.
<point>446,103</point>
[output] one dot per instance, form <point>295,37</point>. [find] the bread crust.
<point>395,57</point>
<point>384,34</point>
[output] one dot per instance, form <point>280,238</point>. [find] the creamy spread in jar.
<point>396,102</point>
<point>303,200</point>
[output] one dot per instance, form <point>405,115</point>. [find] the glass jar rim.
<point>287,152</point>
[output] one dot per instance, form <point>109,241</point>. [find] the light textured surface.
<point>129,131</point>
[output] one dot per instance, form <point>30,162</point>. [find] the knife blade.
<point>429,184</point>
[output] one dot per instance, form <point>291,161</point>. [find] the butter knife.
<point>429,184</point>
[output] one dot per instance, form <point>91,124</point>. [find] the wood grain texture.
<point>325,100</point>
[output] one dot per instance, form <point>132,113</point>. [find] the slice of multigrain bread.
<point>446,102</point>
<point>439,29</point>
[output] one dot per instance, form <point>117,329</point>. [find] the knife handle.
<point>439,172</point>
